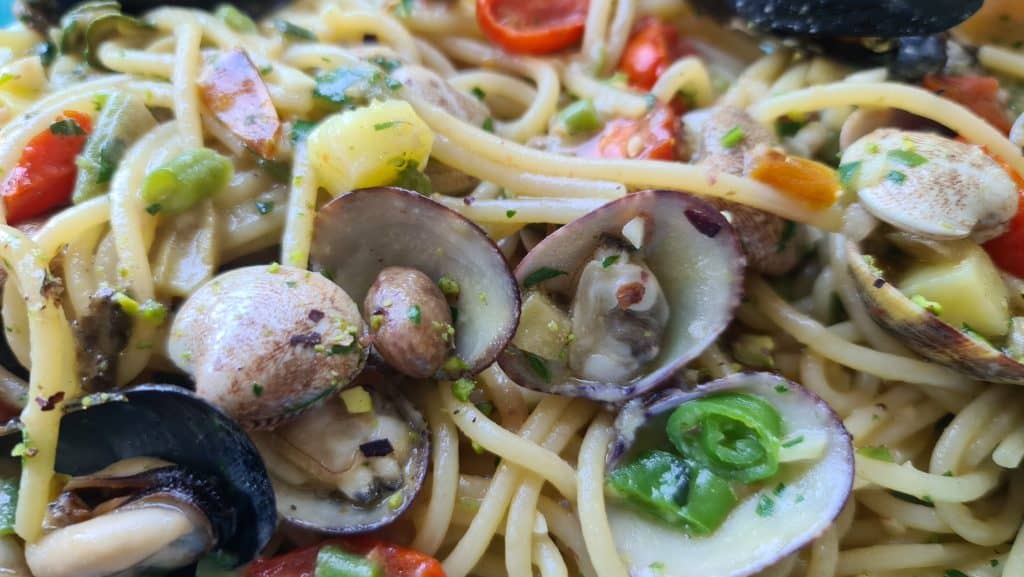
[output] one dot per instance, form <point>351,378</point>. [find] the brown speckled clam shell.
<point>925,333</point>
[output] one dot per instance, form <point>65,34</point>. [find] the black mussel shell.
<point>171,423</point>
<point>846,18</point>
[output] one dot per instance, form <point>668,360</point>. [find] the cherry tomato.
<point>532,26</point>
<point>1007,250</point>
<point>45,174</point>
<point>980,94</point>
<point>396,561</point>
<point>652,137</point>
<point>652,48</point>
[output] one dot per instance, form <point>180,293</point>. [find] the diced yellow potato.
<point>543,327</point>
<point>969,290</point>
<point>369,146</point>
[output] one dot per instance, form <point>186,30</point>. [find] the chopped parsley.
<point>411,178</point>
<point>907,158</point>
<point>414,314</point>
<point>478,93</point>
<point>385,63</point>
<point>540,275</point>
<point>264,206</point>
<point>488,124</point>
<point>386,125</point>
<point>788,232</point>
<point>257,389</point>
<point>153,208</point>
<point>454,364</point>
<point>510,213</point>
<point>928,305</point>
<point>954,573</point>
<point>788,126</point>
<point>733,138</point>
<point>301,129</point>
<point>463,388</point>
<point>908,498</point>
<point>347,88</point>
<point>848,171</point>
<point>781,389</point>
<point>539,366</point>
<point>765,506</point>
<point>896,177</point>
<point>66,127</point>
<point>449,286</point>
<point>294,31</point>
<point>877,453</point>
<point>609,261</point>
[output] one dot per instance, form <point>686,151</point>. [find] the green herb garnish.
<point>733,138</point>
<point>540,275</point>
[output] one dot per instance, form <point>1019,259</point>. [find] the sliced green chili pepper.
<point>733,434</point>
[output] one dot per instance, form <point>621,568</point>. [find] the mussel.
<point>351,465</point>
<point>159,478</point>
<point>920,271</point>
<point>759,467</point>
<point>907,35</point>
<point>619,299</point>
<point>436,292</point>
<point>265,343</point>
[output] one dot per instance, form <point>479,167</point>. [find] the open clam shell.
<point>927,334</point>
<point>689,247</point>
<point>328,512</point>
<point>361,233</point>
<point>806,496</point>
<point>172,424</point>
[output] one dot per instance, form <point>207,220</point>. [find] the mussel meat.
<point>776,477</point>
<point>159,478</point>
<point>437,294</point>
<point>619,299</point>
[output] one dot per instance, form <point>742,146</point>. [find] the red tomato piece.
<point>395,560</point>
<point>1007,250</point>
<point>652,137</point>
<point>45,174</point>
<point>532,26</point>
<point>980,94</point>
<point>652,48</point>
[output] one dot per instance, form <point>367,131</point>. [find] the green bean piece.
<point>334,561</point>
<point>235,19</point>
<point>191,177</point>
<point>580,117</point>
<point>123,120</point>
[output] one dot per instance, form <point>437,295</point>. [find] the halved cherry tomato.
<point>652,48</point>
<point>978,93</point>
<point>395,561</point>
<point>532,26</point>
<point>1007,250</point>
<point>45,174</point>
<point>652,137</point>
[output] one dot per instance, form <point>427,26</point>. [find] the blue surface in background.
<point>5,12</point>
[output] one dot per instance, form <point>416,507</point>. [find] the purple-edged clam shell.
<point>926,333</point>
<point>696,258</point>
<point>360,233</point>
<point>806,496</point>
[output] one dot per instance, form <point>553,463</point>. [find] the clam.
<point>351,465</point>
<point>905,305</point>
<point>436,292</point>
<point>929,185</point>
<point>159,478</point>
<point>265,343</point>
<point>619,299</point>
<point>772,244</point>
<point>736,527</point>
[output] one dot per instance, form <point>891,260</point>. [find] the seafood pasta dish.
<point>512,288</point>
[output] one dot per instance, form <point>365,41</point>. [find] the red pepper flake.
<point>629,294</point>
<point>316,315</point>
<point>309,339</point>
<point>50,403</point>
